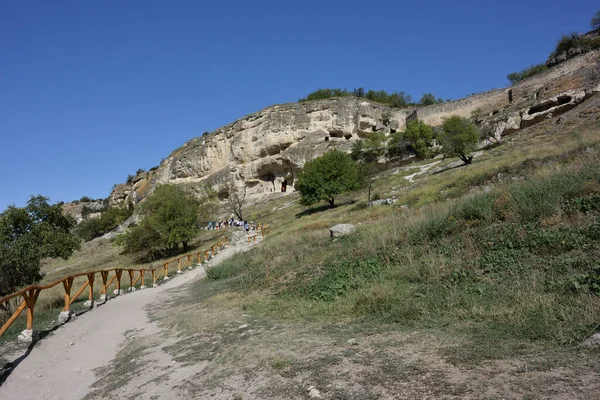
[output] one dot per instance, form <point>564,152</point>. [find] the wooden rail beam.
<point>76,295</point>
<point>13,318</point>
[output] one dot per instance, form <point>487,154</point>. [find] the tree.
<point>370,149</point>
<point>29,234</point>
<point>459,138</point>
<point>595,22</point>
<point>235,196</point>
<point>327,176</point>
<point>419,136</point>
<point>427,99</point>
<point>360,92</point>
<point>170,219</point>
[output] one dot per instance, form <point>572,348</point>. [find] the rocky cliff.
<point>267,149</point>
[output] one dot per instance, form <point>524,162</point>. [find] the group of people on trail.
<point>224,224</point>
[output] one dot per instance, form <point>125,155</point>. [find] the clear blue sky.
<point>90,91</point>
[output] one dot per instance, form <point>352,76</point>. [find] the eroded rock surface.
<point>266,150</point>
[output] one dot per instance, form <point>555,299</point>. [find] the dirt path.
<point>64,364</point>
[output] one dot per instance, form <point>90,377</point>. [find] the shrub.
<point>129,178</point>
<point>515,77</point>
<point>85,199</point>
<point>109,220</point>
<point>419,136</point>
<point>140,171</point>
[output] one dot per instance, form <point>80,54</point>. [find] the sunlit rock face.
<point>265,151</point>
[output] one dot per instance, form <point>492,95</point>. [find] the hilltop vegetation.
<point>397,99</point>
<point>567,46</point>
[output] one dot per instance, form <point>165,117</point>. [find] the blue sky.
<point>90,91</point>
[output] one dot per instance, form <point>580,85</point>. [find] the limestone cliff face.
<point>267,149</point>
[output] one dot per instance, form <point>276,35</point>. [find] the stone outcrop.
<point>582,44</point>
<point>266,150</point>
<point>81,210</point>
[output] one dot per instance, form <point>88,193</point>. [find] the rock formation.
<point>266,150</point>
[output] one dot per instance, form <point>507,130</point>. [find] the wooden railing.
<point>261,230</point>
<point>30,293</point>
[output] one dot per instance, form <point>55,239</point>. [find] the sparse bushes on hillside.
<point>108,221</point>
<point>394,99</point>
<point>515,77</point>
<point>494,262</point>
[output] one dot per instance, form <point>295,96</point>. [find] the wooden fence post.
<point>118,273</point>
<point>166,268</point>
<point>67,284</point>
<point>179,265</point>
<point>131,272</point>
<point>142,273</point>
<point>91,277</point>
<point>30,298</point>
<point>104,275</point>
<point>153,278</point>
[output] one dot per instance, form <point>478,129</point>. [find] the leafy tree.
<point>139,171</point>
<point>459,138</point>
<point>170,220</point>
<point>360,92</point>
<point>419,136</point>
<point>398,145</point>
<point>29,234</point>
<point>428,99</point>
<point>327,176</point>
<point>595,22</point>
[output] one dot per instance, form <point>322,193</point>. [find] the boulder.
<point>341,230</point>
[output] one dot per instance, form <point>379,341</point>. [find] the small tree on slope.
<point>459,138</point>
<point>327,176</point>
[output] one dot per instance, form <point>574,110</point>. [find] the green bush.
<point>109,220</point>
<point>340,277</point>
<point>394,99</point>
<point>419,136</point>
<point>515,77</point>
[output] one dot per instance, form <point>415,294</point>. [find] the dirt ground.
<point>130,348</point>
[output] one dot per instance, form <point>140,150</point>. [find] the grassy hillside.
<point>503,251</point>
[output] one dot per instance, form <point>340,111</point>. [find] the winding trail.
<point>61,366</point>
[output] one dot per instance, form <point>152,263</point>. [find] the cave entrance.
<point>284,185</point>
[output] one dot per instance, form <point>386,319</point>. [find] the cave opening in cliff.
<point>284,185</point>
<point>560,100</point>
